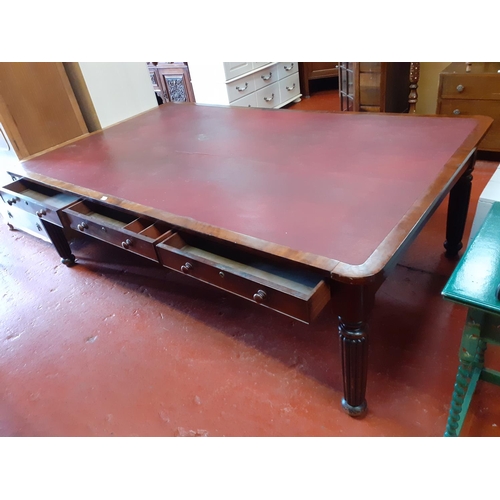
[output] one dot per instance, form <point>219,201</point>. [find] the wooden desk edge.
<point>409,227</point>
<point>397,240</point>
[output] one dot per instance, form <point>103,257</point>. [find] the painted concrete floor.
<point>116,346</point>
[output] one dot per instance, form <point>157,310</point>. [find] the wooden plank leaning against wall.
<point>38,107</point>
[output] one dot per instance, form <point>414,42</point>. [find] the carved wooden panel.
<point>171,81</point>
<point>176,88</point>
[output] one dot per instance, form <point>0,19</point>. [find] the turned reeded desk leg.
<point>354,304</point>
<point>458,206</point>
<point>354,353</point>
<point>56,235</point>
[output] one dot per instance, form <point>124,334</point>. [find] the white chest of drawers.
<point>248,84</point>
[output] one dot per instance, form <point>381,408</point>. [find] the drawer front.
<point>287,68</point>
<point>112,233</point>
<point>24,221</point>
<point>471,86</point>
<point>256,65</point>
<point>249,101</point>
<point>302,303</point>
<point>491,141</point>
<point>269,96</point>
<point>235,69</point>
<point>36,199</point>
<point>240,88</point>
<point>289,87</point>
<point>266,77</point>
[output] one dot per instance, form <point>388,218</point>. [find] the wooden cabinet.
<point>315,71</point>
<point>374,86</point>
<point>171,81</point>
<point>474,92</point>
<point>38,109</point>
<point>247,84</point>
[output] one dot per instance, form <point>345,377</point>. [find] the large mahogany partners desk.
<point>291,210</point>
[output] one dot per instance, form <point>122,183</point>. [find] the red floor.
<point>115,346</point>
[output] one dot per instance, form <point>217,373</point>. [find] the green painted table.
<point>475,284</point>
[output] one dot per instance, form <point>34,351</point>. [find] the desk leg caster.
<point>58,239</point>
<point>355,411</point>
<point>68,262</point>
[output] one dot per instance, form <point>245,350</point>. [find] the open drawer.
<point>37,199</point>
<point>298,293</point>
<point>118,227</point>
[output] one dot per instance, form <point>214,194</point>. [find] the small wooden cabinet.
<point>171,81</point>
<point>473,92</point>
<point>315,71</point>
<point>374,86</point>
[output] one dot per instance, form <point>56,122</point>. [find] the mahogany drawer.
<point>117,227</point>
<point>298,293</point>
<point>470,86</point>
<point>491,141</point>
<point>37,199</point>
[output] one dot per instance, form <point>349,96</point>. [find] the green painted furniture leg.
<point>475,284</point>
<point>471,358</point>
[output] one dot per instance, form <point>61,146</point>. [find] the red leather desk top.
<point>331,184</point>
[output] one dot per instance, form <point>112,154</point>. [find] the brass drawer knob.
<point>126,244</point>
<point>460,88</point>
<point>41,212</point>
<point>82,226</point>
<point>456,111</point>
<point>260,296</point>
<point>186,268</point>
<point>12,201</point>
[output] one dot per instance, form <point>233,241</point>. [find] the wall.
<point>209,82</point>
<point>428,87</point>
<point>118,90</point>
